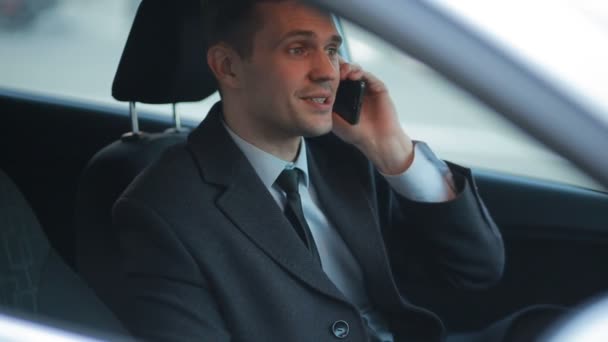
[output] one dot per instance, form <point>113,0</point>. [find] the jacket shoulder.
<point>166,178</point>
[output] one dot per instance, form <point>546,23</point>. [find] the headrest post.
<point>177,122</point>
<point>134,119</point>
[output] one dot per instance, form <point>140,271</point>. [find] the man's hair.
<point>233,22</point>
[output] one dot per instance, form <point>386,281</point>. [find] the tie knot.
<point>288,180</point>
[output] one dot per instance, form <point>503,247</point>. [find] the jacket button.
<point>340,329</point>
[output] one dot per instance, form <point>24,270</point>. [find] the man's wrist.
<point>427,180</point>
<point>390,156</point>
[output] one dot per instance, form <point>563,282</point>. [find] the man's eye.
<point>297,51</point>
<point>332,51</point>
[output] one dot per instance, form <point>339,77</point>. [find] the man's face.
<point>290,81</point>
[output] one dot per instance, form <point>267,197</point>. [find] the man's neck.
<point>285,148</point>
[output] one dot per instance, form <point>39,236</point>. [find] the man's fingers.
<point>347,70</point>
<point>374,84</point>
<point>355,72</point>
<point>355,75</point>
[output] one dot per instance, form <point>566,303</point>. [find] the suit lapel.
<point>348,206</point>
<point>247,203</point>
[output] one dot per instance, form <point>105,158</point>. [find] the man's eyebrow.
<point>337,39</point>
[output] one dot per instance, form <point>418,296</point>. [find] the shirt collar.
<point>267,166</point>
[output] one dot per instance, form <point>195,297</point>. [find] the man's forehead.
<point>284,17</point>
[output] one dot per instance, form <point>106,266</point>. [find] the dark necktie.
<point>288,181</point>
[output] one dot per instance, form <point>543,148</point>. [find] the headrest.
<point>164,59</point>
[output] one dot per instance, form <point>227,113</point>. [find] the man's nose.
<point>324,68</point>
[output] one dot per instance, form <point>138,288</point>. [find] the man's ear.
<point>224,62</point>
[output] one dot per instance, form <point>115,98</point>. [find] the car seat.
<point>162,62</point>
<point>33,277</point>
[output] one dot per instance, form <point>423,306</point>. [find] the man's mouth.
<point>320,100</point>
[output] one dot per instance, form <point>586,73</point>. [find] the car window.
<point>458,127</point>
<point>569,49</point>
<point>71,49</point>
<point>66,48</point>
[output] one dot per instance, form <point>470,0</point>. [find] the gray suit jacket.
<point>209,256</point>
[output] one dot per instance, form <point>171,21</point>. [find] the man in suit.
<point>218,246</point>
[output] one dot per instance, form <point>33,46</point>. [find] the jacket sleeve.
<point>455,241</point>
<point>168,296</point>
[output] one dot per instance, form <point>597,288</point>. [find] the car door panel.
<point>556,241</point>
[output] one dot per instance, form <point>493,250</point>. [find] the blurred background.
<point>71,48</point>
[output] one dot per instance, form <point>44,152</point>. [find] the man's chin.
<point>312,132</point>
<point>315,123</point>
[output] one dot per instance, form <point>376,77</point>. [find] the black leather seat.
<point>162,62</point>
<point>33,278</point>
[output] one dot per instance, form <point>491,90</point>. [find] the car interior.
<point>65,162</point>
<point>35,279</point>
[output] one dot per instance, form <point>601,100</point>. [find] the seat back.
<point>162,62</point>
<point>33,278</point>
<point>105,177</point>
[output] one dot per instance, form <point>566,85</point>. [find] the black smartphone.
<point>349,100</point>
